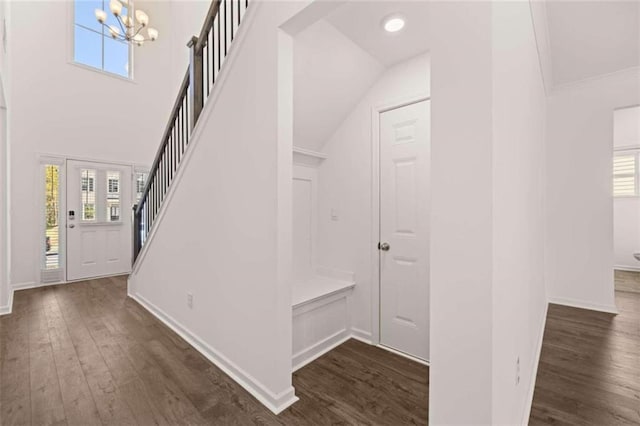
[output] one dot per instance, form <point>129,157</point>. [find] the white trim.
<point>623,149</point>
<point>376,110</point>
<point>575,303</point>
<point>306,157</point>
<point>106,161</point>
<point>322,299</point>
<point>27,285</point>
<point>404,355</point>
<point>631,72</point>
<point>534,368</point>
<point>310,354</point>
<point>626,268</point>
<point>205,116</point>
<point>8,308</point>
<point>274,402</point>
<point>102,72</point>
<point>539,20</point>
<point>361,335</point>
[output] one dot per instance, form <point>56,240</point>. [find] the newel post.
<point>196,83</point>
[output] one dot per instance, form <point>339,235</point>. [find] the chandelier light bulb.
<point>114,31</point>
<point>116,7</point>
<point>142,17</point>
<point>138,39</point>
<point>101,15</point>
<point>153,34</point>
<point>127,21</point>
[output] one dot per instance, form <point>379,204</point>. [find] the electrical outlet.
<point>190,300</point>
<point>518,370</point>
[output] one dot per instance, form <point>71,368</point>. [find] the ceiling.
<point>361,21</point>
<point>330,76</point>
<point>592,38</point>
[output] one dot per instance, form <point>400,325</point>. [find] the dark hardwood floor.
<point>85,354</point>
<point>589,371</point>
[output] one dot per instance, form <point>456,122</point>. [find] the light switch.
<point>334,215</point>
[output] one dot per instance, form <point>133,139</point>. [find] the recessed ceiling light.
<point>393,23</point>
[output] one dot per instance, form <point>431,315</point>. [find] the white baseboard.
<point>534,369</point>
<point>6,309</point>
<point>314,352</point>
<point>584,305</point>
<point>274,402</point>
<point>361,335</point>
<point>404,355</point>
<point>26,285</point>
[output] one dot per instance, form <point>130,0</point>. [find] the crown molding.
<point>627,73</point>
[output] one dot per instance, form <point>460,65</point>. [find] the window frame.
<point>72,47</point>
<point>636,175</point>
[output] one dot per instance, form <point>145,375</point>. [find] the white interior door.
<point>98,219</point>
<point>404,229</point>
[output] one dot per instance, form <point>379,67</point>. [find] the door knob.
<point>72,226</point>
<point>384,246</point>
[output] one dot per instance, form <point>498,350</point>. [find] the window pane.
<point>88,178</point>
<point>141,180</point>
<point>88,47</point>
<point>52,212</point>
<point>624,175</point>
<point>113,196</point>
<point>116,57</point>
<point>84,13</point>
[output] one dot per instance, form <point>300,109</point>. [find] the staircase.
<point>208,52</point>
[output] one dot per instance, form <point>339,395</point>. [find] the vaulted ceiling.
<point>362,21</point>
<point>340,57</point>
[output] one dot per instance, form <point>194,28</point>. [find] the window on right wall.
<point>92,44</point>
<point>625,174</point>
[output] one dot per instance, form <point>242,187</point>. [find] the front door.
<point>98,219</point>
<point>404,229</point>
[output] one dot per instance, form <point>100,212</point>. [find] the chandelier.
<point>127,31</point>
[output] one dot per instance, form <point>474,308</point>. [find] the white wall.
<point>519,294</point>
<point>487,286</point>
<point>60,108</point>
<point>4,38</point>
<point>187,18</point>
<point>344,184</point>
<point>579,206</point>
<point>461,214</point>
<point>331,74</point>
<point>4,272</point>
<point>223,236</point>
<point>4,165</point>
<point>626,210</point>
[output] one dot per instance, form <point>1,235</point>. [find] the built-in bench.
<point>320,309</point>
